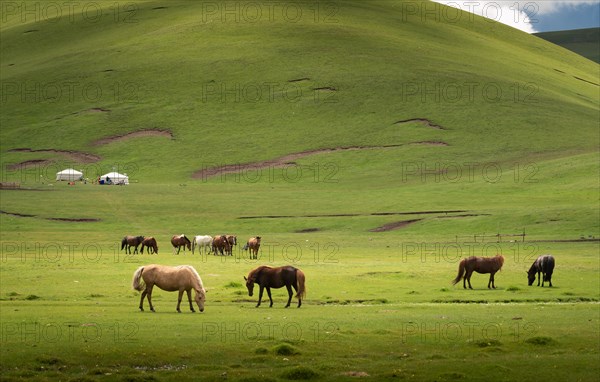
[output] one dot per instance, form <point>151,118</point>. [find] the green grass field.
<point>450,128</point>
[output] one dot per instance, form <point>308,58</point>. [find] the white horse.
<point>202,242</point>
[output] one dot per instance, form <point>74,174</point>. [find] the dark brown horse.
<point>149,242</point>
<point>480,265</point>
<point>131,241</point>
<point>179,241</point>
<point>544,265</point>
<point>232,240</point>
<point>181,278</point>
<point>267,278</point>
<point>221,244</point>
<point>253,244</point>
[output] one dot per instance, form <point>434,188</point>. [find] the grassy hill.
<point>371,143</point>
<point>581,41</point>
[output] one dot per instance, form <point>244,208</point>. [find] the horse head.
<point>250,285</point>
<point>200,299</point>
<point>530,278</point>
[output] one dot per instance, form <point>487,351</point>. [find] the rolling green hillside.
<point>373,144</point>
<point>585,42</point>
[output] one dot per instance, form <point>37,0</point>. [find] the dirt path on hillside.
<point>76,156</point>
<point>134,134</point>
<point>289,159</point>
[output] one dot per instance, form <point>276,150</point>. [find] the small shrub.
<point>261,351</point>
<point>285,349</point>
<point>513,289</point>
<point>541,341</point>
<point>300,373</point>
<point>233,284</point>
<point>32,297</point>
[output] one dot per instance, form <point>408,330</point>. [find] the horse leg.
<point>260,293</point>
<point>142,300</point>
<point>179,301</point>
<point>189,293</point>
<point>149,289</point>
<point>468,277</point>
<point>289,289</point>
<point>538,275</point>
<point>270,298</point>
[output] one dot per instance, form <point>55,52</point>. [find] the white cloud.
<point>522,15</point>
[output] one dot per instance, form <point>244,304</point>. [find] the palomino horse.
<point>149,242</point>
<point>131,241</point>
<point>480,265</point>
<point>253,244</point>
<point>181,278</point>
<point>544,265</point>
<point>267,277</point>
<point>179,241</point>
<point>201,242</point>
<point>221,244</point>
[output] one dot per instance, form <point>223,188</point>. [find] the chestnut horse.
<point>232,240</point>
<point>544,265</point>
<point>253,244</point>
<point>131,241</point>
<point>179,241</point>
<point>221,244</point>
<point>181,278</point>
<point>149,242</point>
<point>267,278</point>
<point>480,265</point>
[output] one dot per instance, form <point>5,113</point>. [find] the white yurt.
<point>114,178</point>
<point>69,175</point>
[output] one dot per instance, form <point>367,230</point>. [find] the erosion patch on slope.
<point>134,134</point>
<point>76,156</point>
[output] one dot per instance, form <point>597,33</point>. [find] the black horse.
<point>267,277</point>
<point>131,241</point>
<point>544,265</point>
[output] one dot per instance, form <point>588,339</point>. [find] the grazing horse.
<point>149,242</point>
<point>221,244</point>
<point>179,241</point>
<point>267,277</point>
<point>253,244</point>
<point>544,265</point>
<point>480,265</point>
<point>131,241</point>
<point>181,278</point>
<point>201,242</point>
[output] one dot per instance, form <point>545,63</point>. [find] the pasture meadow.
<point>391,145</point>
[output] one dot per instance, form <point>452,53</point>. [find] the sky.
<point>535,16</point>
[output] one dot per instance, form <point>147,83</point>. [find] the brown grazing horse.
<point>544,265</point>
<point>253,244</point>
<point>267,278</point>
<point>149,242</point>
<point>221,244</point>
<point>480,265</point>
<point>179,241</point>
<point>181,278</point>
<point>232,240</point>
<point>131,241</point>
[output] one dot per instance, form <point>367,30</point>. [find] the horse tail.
<point>193,245</point>
<point>301,287</point>
<point>461,271</point>
<point>137,282</point>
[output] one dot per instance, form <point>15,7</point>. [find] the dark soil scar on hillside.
<point>72,220</point>
<point>308,230</point>
<point>28,163</point>
<point>395,225</point>
<point>560,71</point>
<point>288,159</point>
<point>31,31</point>
<point>134,134</point>
<point>77,156</point>
<point>422,121</point>
<point>325,88</point>
<point>300,79</point>
<point>353,215</point>
<point>589,82</point>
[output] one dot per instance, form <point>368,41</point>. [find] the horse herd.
<point>222,244</point>
<point>185,277</point>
